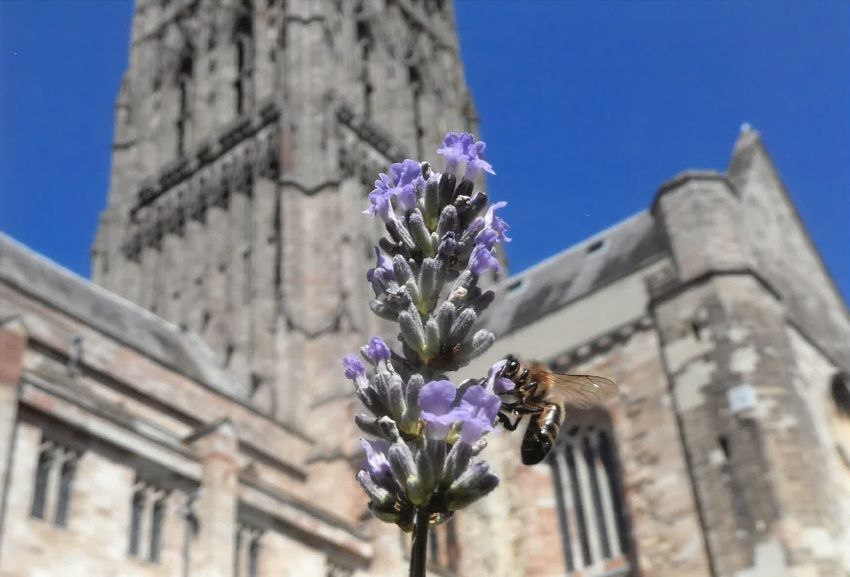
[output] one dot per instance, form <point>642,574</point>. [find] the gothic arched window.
<point>594,535</point>
<point>243,42</point>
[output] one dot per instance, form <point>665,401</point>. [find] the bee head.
<point>511,368</point>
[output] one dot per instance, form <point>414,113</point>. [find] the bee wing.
<point>580,391</point>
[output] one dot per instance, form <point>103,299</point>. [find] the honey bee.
<point>544,396</point>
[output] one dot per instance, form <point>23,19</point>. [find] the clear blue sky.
<point>586,108</point>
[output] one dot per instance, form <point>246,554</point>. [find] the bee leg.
<point>506,421</point>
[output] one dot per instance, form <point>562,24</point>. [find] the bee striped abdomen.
<point>541,434</point>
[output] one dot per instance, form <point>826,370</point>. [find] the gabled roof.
<point>575,272</point>
<point>183,352</point>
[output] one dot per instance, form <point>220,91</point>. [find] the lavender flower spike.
<point>423,464</point>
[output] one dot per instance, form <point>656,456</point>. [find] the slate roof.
<point>120,319</point>
<point>575,272</point>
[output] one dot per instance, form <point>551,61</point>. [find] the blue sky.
<point>586,107</point>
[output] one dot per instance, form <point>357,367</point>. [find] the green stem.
<point>419,547</point>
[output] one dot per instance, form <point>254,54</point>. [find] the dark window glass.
<point>157,516</point>
<point>66,481</point>
<point>42,472</point>
<point>138,508</point>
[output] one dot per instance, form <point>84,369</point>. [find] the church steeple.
<point>245,131</point>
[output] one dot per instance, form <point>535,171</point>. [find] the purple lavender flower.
<point>495,382</point>
<point>408,177</point>
<point>454,149</point>
<point>481,260</point>
<point>475,163</point>
<point>354,367</point>
<point>380,199</point>
<point>495,224</point>
<point>477,411</point>
<point>382,272</point>
<point>435,400</point>
<point>376,463</point>
<point>377,350</point>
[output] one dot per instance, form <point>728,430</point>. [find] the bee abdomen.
<point>541,434</point>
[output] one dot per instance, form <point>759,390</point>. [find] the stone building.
<point>185,415</point>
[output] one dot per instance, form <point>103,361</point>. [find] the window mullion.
<point>573,508</point>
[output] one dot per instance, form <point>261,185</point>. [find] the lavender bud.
<point>456,463</point>
<point>420,233</point>
<point>476,203</point>
<point>482,301</point>
<point>384,310</point>
<point>446,313</point>
<point>425,469</point>
<point>432,338</point>
<point>432,198</point>
<point>465,280</point>
<point>406,472</point>
<point>370,399</point>
<point>481,341</point>
<point>388,428</point>
<point>378,495</point>
<point>464,189</point>
<point>461,327</point>
<point>448,221</point>
<point>400,299</point>
<point>457,296</point>
<point>447,247</point>
<point>412,330</point>
<point>400,234</point>
<point>402,269</point>
<point>367,424</point>
<point>431,278</point>
<point>415,383</point>
<point>473,484</point>
<point>387,246</point>
<point>387,514</point>
<point>395,397</point>
<point>447,188</point>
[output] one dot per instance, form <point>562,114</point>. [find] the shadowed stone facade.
<point>189,418</point>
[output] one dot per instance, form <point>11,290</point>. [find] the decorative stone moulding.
<point>208,152</point>
<point>370,134</point>
<point>601,344</point>
<point>187,189</point>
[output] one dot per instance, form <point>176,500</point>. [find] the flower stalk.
<point>422,463</point>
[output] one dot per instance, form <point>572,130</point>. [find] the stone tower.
<point>247,135</point>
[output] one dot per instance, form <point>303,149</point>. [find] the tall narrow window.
<point>53,483</point>
<point>243,40</point>
<point>147,518</point>
<point>364,40</point>
<point>136,513</point>
<point>66,480</point>
<point>184,102</point>
<point>157,516</point>
<point>247,558</point>
<point>590,506</point>
<point>42,472</point>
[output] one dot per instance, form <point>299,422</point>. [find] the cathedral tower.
<point>247,135</point>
